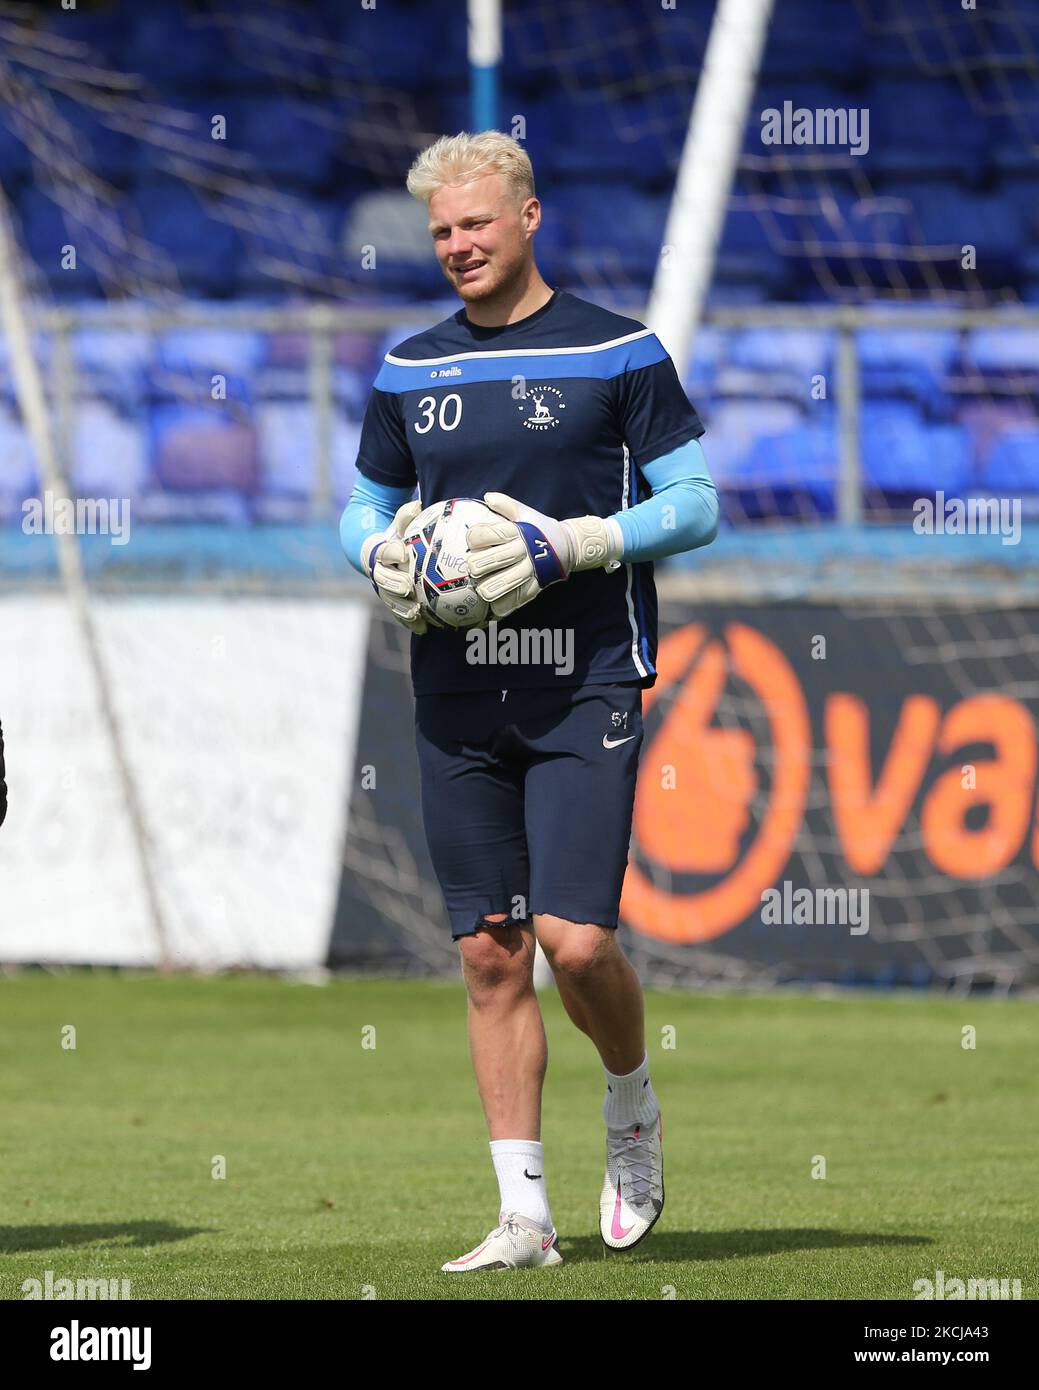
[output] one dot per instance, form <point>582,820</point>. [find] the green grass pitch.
<point>354,1171</point>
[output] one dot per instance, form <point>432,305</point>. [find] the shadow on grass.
<point>728,1245</point>
<point>124,1233</point>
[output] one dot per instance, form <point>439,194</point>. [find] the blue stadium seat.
<point>199,352</point>
<point>770,364</point>
<point>106,30</point>
<point>397,227</point>
<point>749,229</point>
<point>1012,97</point>
<point>43,350</point>
<point>627,233</point>
<point>188,122</point>
<point>883,227</point>
<point>596,45</point>
<point>910,362</point>
<point>287,447</point>
<point>299,249</point>
<point>297,147</point>
<point>951,217</point>
<point>410,44</point>
<point>987,419</point>
<point>357,351</point>
<point>1003,349</point>
<point>803,351</point>
<point>112,365</point>
<point>287,350</point>
<point>634,143</point>
<point>288,355</point>
<point>901,454</point>
<point>1018,190</point>
<point>164,45</point>
<point>709,348</point>
<point>15,164</point>
<point>350,390</point>
<point>1013,465</point>
<point>803,43</point>
<point>807,210</point>
<point>199,451</point>
<point>288,456</point>
<point>803,459</point>
<point>927,127</point>
<point>112,154</point>
<point>912,38</point>
<point>773,465</point>
<point>206,252</point>
<point>122,350</point>
<point>45,232</point>
<point>19,478</point>
<point>733,429</point>
<point>110,451</point>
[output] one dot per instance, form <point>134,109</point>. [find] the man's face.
<point>482,238</point>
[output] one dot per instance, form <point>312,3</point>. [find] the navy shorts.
<point>527,798</point>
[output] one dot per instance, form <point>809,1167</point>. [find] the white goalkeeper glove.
<point>390,565</point>
<point>512,560</point>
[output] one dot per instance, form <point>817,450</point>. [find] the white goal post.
<point>32,402</point>
<point>712,146</point>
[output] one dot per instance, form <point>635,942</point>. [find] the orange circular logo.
<point>699,784</point>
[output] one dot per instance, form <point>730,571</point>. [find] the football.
<point>437,538</point>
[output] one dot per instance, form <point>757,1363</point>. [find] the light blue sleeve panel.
<point>682,513</point>
<point>372,506</point>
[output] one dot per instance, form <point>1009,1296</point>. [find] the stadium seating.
<point>110,451</point>
<point>911,124</point>
<point>903,456</point>
<point>1013,464</point>
<point>18,476</point>
<point>204,251</point>
<point>987,420</point>
<point>908,363</point>
<point>951,162</point>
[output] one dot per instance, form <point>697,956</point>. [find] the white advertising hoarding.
<point>239,717</point>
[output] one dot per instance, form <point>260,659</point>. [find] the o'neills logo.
<point>718,809</point>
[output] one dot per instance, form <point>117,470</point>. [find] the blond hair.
<point>455,159</point>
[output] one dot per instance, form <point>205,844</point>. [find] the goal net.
<point>210,251</point>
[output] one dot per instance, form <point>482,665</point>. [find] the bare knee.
<point>579,951</point>
<point>497,961</point>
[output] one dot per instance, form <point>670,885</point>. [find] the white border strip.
<point>515,352</point>
<point>633,621</point>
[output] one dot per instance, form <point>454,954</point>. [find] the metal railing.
<point>322,322</point>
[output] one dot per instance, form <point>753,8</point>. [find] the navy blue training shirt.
<point>559,410</point>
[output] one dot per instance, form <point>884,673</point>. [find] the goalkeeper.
<point>570,422</point>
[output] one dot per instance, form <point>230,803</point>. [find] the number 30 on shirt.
<point>445,412</point>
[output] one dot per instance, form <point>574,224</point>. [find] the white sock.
<point>630,1099</point>
<point>520,1170</point>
